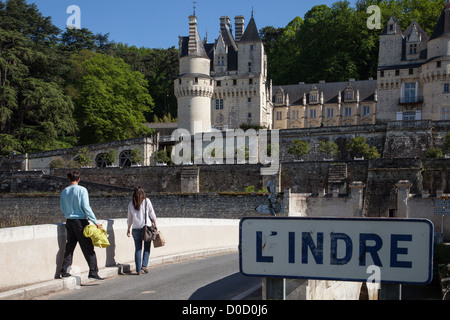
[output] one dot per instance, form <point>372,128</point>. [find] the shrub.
<point>433,153</point>
<point>299,148</point>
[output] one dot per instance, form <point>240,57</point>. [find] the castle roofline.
<point>251,33</point>
<point>439,29</point>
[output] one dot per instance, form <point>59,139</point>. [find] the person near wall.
<point>74,202</point>
<point>140,213</point>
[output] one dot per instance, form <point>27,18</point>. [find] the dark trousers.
<point>74,235</point>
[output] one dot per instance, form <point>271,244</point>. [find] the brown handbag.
<point>159,240</point>
<point>149,233</point>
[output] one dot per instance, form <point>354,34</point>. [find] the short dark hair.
<point>73,175</point>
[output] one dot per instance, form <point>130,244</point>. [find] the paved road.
<point>208,278</point>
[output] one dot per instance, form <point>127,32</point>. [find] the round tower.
<point>194,87</point>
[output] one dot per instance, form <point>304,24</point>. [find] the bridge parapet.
<point>33,254</point>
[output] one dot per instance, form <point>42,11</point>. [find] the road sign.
<point>441,203</point>
<point>441,210</point>
<point>265,209</point>
<point>385,250</point>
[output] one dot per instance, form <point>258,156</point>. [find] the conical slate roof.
<point>251,33</point>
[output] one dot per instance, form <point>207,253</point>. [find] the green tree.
<point>74,40</point>
<point>110,100</point>
<point>359,147</point>
<point>329,148</point>
<point>162,157</point>
<point>446,144</point>
<point>299,148</point>
<point>160,68</point>
<point>434,153</point>
<point>35,114</point>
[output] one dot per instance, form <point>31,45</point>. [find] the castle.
<point>224,84</point>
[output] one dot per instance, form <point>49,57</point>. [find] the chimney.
<point>239,22</point>
<point>447,17</point>
<point>224,22</point>
<point>192,45</point>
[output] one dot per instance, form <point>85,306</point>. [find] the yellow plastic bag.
<point>98,236</point>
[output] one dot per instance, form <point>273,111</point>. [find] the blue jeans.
<point>138,255</point>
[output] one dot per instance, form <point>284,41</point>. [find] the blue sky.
<point>157,24</point>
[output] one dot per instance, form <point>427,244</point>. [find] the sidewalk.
<point>55,285</point>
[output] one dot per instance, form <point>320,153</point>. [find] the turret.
<point>194,87</point>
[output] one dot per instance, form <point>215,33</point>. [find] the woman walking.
<point>140,213</point>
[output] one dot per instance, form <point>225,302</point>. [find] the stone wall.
<point>41,160</point>
<point>32,209</point>
<point>392,140</point>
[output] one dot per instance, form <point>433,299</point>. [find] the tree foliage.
<point>299,148</point>
<point>110,99</point>
<point>62,88</point>
<point>334,43</point>
<point>359,147</point>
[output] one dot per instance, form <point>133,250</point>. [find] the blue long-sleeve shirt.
<point>74,203</point>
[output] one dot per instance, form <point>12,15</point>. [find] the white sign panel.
<point>384,250</point>
<point>441,210</point>
<point>441,203</point>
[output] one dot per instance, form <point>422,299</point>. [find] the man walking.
<point>75,206</point>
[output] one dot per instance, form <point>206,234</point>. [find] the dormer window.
<point>279,98</point>
<point>349,95</point>
<point>220,60</point>
<point>413,48</point>
<point>314,95</point>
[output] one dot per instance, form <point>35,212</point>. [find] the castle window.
<point>348,112</point>
<point>410,92</point>
<point>382,74</point>
<point>179,81</point>
<point>221,61</point>
<point>397,72</point>
<point>313,97</point>
<point>312,113</point>
<point>445,114</point>
<point>409,116</point>
<point>219,104</point>
<point>366,111</point>
<point>330,113</point>
<point>411,71</point>
<point>279,115</point>
<point>249,100</point>
<point>349,95</point>
<point>413,48</point>
<point>249,115</point>
<point>294,114</point>
<point>219,83</point>
<point>250,81</point>
<point>279,99</point>
<point>438,64</point>
<point>234,82</point>
<point>446,87</point>
<point>195,80</point>
<point>251,47</point>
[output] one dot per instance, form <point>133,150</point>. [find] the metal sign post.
<point>442,207</point>
<point>274,207</point>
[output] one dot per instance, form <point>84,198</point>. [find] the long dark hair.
<point>138,197</point>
